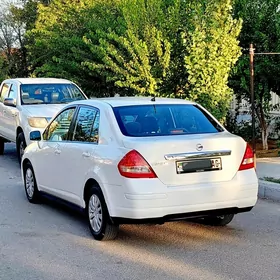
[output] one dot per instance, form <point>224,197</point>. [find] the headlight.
<point>38,122</point>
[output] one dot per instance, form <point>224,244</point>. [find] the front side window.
<point>49,93</point>
<point>86,128</point>
<point>13,92</point>
<point>4,92</point>
<point>59,128</point>
<point>167,119</point>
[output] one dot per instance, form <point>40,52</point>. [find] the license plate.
<point>198,165</point>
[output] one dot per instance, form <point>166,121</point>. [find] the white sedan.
<point>141,160</point>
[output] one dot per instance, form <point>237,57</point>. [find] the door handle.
<point>86,154</point>
<point>57,152</point>
<point>14,114</point>
<point>4,111</point>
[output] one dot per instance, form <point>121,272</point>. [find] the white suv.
<point>28,104</point>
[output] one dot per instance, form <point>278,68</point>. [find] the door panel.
<point>50,163</point>
<point>79,154</point>
<point>11,115</point>
<point>4,120</point>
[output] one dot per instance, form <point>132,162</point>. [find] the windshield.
<point>50,93</point>
<point>160,120</point>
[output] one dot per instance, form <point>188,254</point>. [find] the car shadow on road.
<point>187,233</point>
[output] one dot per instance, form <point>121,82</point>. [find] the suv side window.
<point>4,92</point>
<point>86,128</point>
<point>58,130</point>
<point>13,92</point>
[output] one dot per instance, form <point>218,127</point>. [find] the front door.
<point>51,163</point>
<point>3,110</point>
<point>11,115</point>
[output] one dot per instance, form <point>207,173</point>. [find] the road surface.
<point>50,242</point>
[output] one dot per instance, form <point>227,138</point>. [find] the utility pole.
<point>251,54</point>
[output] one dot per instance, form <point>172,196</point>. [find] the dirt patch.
<point>273,150</point>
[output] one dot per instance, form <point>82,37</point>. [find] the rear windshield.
<point>162,120</point>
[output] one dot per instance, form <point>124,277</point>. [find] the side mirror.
<point>35,135</point>
<point>10,102</point>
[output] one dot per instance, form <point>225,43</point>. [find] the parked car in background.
<point>139,160</point>
<point>28,104</point>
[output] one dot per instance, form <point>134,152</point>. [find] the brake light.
<point>248,161</point>
<point>133,165</point>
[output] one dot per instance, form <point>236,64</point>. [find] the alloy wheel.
<point>29,182</point>
<point>95,213</point>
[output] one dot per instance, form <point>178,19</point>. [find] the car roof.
<point>39,81</point>
<point>130,101</point>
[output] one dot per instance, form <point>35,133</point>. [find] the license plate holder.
<point>198,165</point>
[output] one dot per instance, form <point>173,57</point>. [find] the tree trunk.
<point>263,124</point>
<point>264,138</point>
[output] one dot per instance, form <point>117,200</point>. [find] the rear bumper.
<point>150,199</point>
<point>175,217</point>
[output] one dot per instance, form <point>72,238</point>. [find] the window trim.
<point>70,127</point>
<point>8,92</point>
<point>207,115</point>
<point>15,90</point>
<point>75,123</point>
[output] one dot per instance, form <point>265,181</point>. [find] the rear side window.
<point>162,120</point>
<point>86,128</point>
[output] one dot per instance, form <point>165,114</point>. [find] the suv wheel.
<point>2,145</point>
<point>21,145</point>
<point>99,221</point>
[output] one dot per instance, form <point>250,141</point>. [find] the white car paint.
<point>63,168</point>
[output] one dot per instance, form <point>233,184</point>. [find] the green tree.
<point>211,52</point>
<point>260,27</point>
<point>136,56</point>
<point>173,48</point>
<point>59,49</point>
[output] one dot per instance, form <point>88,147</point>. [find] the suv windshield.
<point>161,120</point>
<point>49,93</point>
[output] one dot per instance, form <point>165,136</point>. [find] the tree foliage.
<point>212,50</point>
<point>173,48</point>
<point>260,27</point>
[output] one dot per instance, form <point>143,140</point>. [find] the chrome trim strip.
<point>194,155</point>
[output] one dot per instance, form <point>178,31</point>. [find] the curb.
<point>269,190</point>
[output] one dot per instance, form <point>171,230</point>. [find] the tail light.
<point>133,165</point>
<point>248,160</point>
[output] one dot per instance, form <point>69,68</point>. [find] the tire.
<point>21,145</point>
<point>30,184</point>
<point>221,220</point>
<point>2,146</point>
<point>100,225</point>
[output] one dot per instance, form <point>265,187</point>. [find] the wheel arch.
<point>89,183</point>
<point>19,130</point>
<point>25,161</point>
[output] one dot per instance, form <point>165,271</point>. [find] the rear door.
<point>79,153</point>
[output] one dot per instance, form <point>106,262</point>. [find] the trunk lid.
<point>167,154</point>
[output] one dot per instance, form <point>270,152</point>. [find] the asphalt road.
<point>48,241</point>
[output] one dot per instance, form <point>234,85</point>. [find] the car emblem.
<point>199,147</point>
